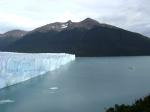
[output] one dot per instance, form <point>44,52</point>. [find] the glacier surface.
<point>18,67</point>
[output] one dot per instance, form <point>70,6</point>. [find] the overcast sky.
<point>132,15</point>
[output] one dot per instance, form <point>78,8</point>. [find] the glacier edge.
<point>19,67</point>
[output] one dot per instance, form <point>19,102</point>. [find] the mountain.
<point>85,38</point>
<point>10,37</point>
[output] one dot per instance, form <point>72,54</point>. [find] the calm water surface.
<point>85,85</point>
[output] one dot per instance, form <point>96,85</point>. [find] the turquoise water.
<point>85,85</point>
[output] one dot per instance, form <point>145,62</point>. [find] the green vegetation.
<point>141,105</point>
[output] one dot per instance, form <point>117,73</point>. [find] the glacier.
<point>18,67</point>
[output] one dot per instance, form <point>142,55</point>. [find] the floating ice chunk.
<point>18,67</point>
<point>53,88</point>
<point>6,101</point>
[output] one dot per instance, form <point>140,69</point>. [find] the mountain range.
<point>85,38</point>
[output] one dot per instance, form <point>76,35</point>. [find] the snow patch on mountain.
<point>64,26</point>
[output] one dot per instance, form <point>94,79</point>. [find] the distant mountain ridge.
<point>84,38</point>
<point>88,23</point>
<point>10,37</point>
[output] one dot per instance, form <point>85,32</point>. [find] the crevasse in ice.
<point>18,67</point>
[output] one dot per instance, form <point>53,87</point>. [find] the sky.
<point>27,15</point>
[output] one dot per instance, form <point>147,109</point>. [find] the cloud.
<point>28,14</point>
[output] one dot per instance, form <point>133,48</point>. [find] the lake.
<point>84,85</point>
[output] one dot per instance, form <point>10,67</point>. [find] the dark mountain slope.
<point>114,42</point>
<point>10,37</point>
<point>85,38</point>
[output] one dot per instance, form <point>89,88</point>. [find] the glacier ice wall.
<point>18,67</point>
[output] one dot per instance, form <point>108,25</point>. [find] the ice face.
<point>18,67</point>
